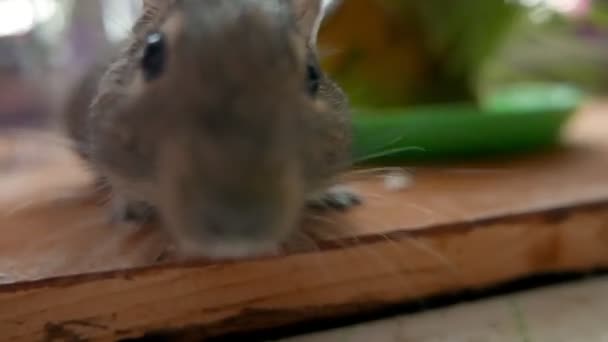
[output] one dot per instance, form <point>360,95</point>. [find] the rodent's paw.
<point>168,254</point>
<point>337,197</point>
<point>123,210</point>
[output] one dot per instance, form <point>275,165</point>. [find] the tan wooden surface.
<point>67,274</point>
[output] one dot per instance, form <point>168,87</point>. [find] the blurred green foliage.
<point>461,36</point>
<point>557,50</point>
<point>394,52</point>
<point>434,51</point>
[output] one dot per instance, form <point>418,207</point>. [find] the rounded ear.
<point>150,4</point>
<point>156,5</point>
<point>309,15</point>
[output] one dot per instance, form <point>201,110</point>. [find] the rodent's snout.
<point>232,211</point>
<point>221,230</point>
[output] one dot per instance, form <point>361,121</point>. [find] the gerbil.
<point>217,117</point>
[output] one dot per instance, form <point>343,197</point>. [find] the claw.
<point>123,210</point>
<point>337,197</point>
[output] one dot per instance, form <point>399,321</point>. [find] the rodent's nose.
<point>238,224</point>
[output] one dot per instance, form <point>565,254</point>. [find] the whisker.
<point>477,170</point>
<point>423,247</point>
<point>318,256</point>
<point>367,171</point>
<point>388,152</point>
<point>361,246</point>
<point>379,198</point>
<point>320,218</point>
<point>392,269</point>
<point>424,210</point>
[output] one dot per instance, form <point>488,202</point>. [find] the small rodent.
<point>217,117</point>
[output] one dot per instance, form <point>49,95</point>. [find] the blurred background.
<point>45,45</point>
<point>385,52</point>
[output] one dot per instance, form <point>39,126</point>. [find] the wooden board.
<point>67,275</point>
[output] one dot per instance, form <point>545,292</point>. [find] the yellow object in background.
<point>374,53</point>
<point>395,53</point>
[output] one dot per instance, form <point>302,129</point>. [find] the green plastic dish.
<point>516,119</point>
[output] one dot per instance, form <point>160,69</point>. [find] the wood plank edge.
<point>550,215</point>
<point>529,245</point>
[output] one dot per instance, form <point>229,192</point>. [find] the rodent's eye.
<point>154,59</point>
<point>313,75</point>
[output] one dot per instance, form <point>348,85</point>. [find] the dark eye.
<point>154,59</point>
<point>313,75</point>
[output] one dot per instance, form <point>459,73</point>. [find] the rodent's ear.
<point>156,5</point>
<point>310,14</point>
<point>152,4</point>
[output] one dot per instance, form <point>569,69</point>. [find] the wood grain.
<point>68,275</point>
